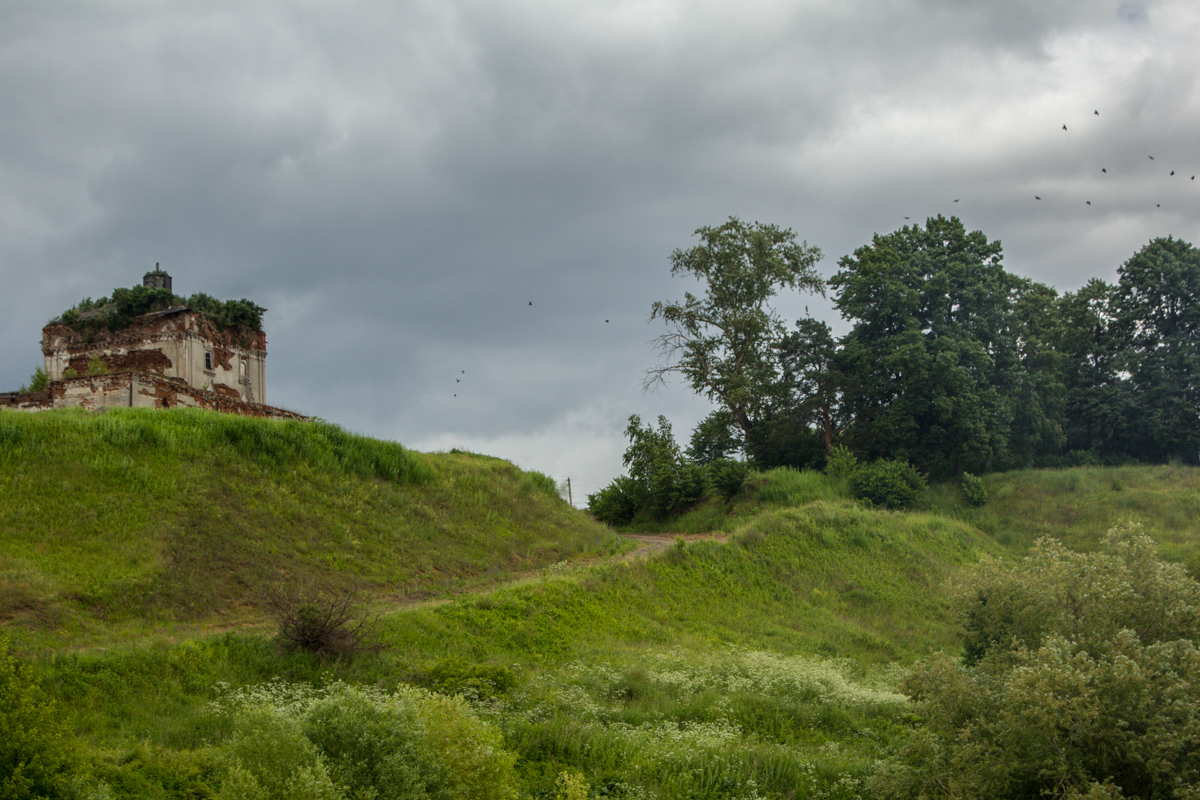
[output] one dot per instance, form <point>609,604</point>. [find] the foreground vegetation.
<point>767,666</point>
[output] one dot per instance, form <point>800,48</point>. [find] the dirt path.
<point>654,542</point>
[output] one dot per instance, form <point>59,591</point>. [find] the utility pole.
<point>569,499</point>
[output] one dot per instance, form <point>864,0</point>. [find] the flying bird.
<point>1089,202</point>
<point>956,201</point>
<point>1097,113</point>
<point>1172,172</point>
<point>1150,157</point>
<point>1035,197</point>
<point>530,302</point>
<point>1064,127</point>
<point>1102,169</point>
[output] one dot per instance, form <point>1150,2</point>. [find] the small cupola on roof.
<point>157,279</point>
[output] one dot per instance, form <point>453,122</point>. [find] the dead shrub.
<point>329,622</point>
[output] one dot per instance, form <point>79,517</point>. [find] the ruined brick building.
<point>172,357</point>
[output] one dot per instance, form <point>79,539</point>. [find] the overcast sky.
<point>397,181</point>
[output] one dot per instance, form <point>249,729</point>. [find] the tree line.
<point>952,363</point>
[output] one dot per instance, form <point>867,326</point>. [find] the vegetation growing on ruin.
<point>117,312</point>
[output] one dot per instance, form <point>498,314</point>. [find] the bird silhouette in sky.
<point>530,302</point>
<point>1089,202</point>
<point>1097,113</point>
<point>1102,169</point>
<point>1172,172</point>
<point>1150,157</point>
<point>956,201</point>
<point>1035,197</point>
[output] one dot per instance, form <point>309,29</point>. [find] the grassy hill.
<point>136,518</point>
<point>760,667</point>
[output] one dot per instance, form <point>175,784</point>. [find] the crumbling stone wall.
<point>138,390</point>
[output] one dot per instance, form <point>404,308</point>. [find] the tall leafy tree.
<point>725,342</point>
<point>932,364</point>
<point>809,359</point>
<point>1037,393</point>
<point>1157,303</point>
<point>1099,410</point>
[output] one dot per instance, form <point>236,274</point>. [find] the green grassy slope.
<point>830,579</point>
<point>704,671</point>
<point>753,660</point>
<point>1077,506</point>
<point>182,516</point>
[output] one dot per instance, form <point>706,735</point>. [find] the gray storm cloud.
<point>398,182</point>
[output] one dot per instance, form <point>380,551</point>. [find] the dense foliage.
<point>1080,678</point>
<point>661,480</point>
<point>888,483</point>
<point>952,364</point>
<point>295,742</point>
<point>36,753</point>
<point>118,311</point>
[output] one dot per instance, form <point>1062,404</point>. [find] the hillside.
<point>138,518</point>
<point>136,545</point>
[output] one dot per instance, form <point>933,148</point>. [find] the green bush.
<point>973,490</point>
<point>1081,678</point>
<point>727,476</point>
<point>294,740</point>
<point>661,481</point>
<point>456,677</point>
<point>270,758</point>
<point>36,754</point>
<point>889,483</point>
<point>841,463</point>
<point>410,744</point>
<point>618,503</point>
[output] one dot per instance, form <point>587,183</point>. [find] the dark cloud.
<point>396,182</point>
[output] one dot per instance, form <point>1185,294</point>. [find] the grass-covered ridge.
<point>182,516</point>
